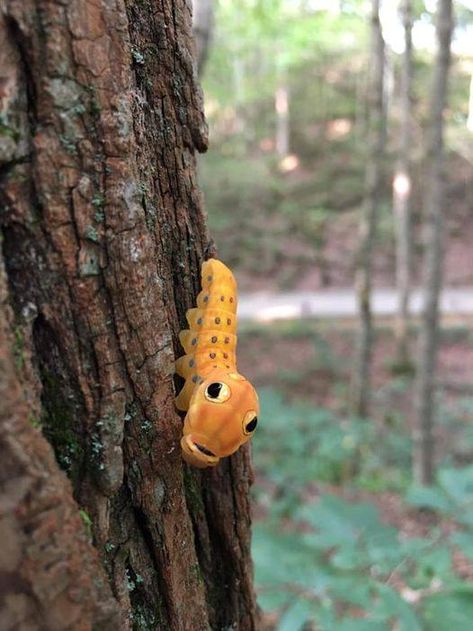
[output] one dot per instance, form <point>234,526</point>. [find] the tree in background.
<point>202,27</point>
<point>402,184</point>
<point>360,393</point>
<point>434,209</point>
<point>102,236</point>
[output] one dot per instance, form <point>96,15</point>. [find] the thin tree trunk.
<point>202,27</point>
<point>102,238</point>
<point>402,192</point>
<point>361,387</point>
<point>281,104</point>
<point>469,121</point>
<point>423,458</point>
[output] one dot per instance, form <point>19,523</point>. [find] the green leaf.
<point>458,484</point>
<point>360,624</point>
<point>296,616</point>
<point>391,605</point>
<point>429,497</point>
<point>448,611</point>
<point>464,541</point>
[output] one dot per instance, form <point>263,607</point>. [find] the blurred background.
<point>305,104</point>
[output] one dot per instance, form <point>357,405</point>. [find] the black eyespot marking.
<point>231,299</point>
<point>191,363</point>
<point>214,390</point>
<point>227,339</point>
<point>222,298</point>
<point>206,298</point>
<point>217,320</point>
<point>251,426</point>
<point>212,355</point>
<point>199,321</point>
<point>214,339</point>
<point>194,341</point>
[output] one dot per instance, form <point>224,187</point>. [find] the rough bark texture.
<point>202,26</point>
<point>423,459</point>
<point>402,191</point>
<point>103,236</point>
<point>50,575</point>
<point>360,391</point>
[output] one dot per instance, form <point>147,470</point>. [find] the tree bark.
<point>361,387</point>
<point>203,25</point>
<point>434,202</point>
<point>103,236</point>
<point>402,192</point>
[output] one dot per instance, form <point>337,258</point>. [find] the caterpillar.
<point>222,405</point>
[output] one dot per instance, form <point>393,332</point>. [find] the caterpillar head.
<point>222,416</point>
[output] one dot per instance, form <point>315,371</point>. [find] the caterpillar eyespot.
<point>250,423</point>
<point>216,397</point>
<point>217,392</point>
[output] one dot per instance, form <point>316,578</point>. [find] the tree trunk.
<point>102,240</point>
<point>202,26</point>
<point>360,393</point>
<point>423,458</point>
<point>402,192</point>
<point>281,104</point>
<point>469,120</point>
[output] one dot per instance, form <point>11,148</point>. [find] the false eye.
<point>250,422</point>
<point>217,392</point>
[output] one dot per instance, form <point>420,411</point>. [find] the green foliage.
<point>452,496</point>
<point>335,563</point>
<point>332,449</point>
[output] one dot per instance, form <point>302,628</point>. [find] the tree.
<point>102,239</point>
<point>360,394</point>
<point>202,26</point>
<point>402,191</point>
<point>434,202</point>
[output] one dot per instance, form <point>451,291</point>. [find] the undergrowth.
<point>326,563</point>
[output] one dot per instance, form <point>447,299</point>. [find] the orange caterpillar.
<point>222,406</point>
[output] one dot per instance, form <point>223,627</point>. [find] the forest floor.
<point>310,361</point>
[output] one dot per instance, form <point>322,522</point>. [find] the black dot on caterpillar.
<point>229,321</point>
<point>192,363</point>
<point>194,341</point>
<point>199,321</point>
<point>212,355</point>
<point>214,339</point>
<point>227,340</point>
<point>222,298</point>
<point>217,320</point>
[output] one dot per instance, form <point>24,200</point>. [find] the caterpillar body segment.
<point>222,406</point>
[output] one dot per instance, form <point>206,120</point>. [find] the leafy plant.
<point>335,564</point>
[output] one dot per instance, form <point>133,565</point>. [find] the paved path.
<point>341,303</point>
